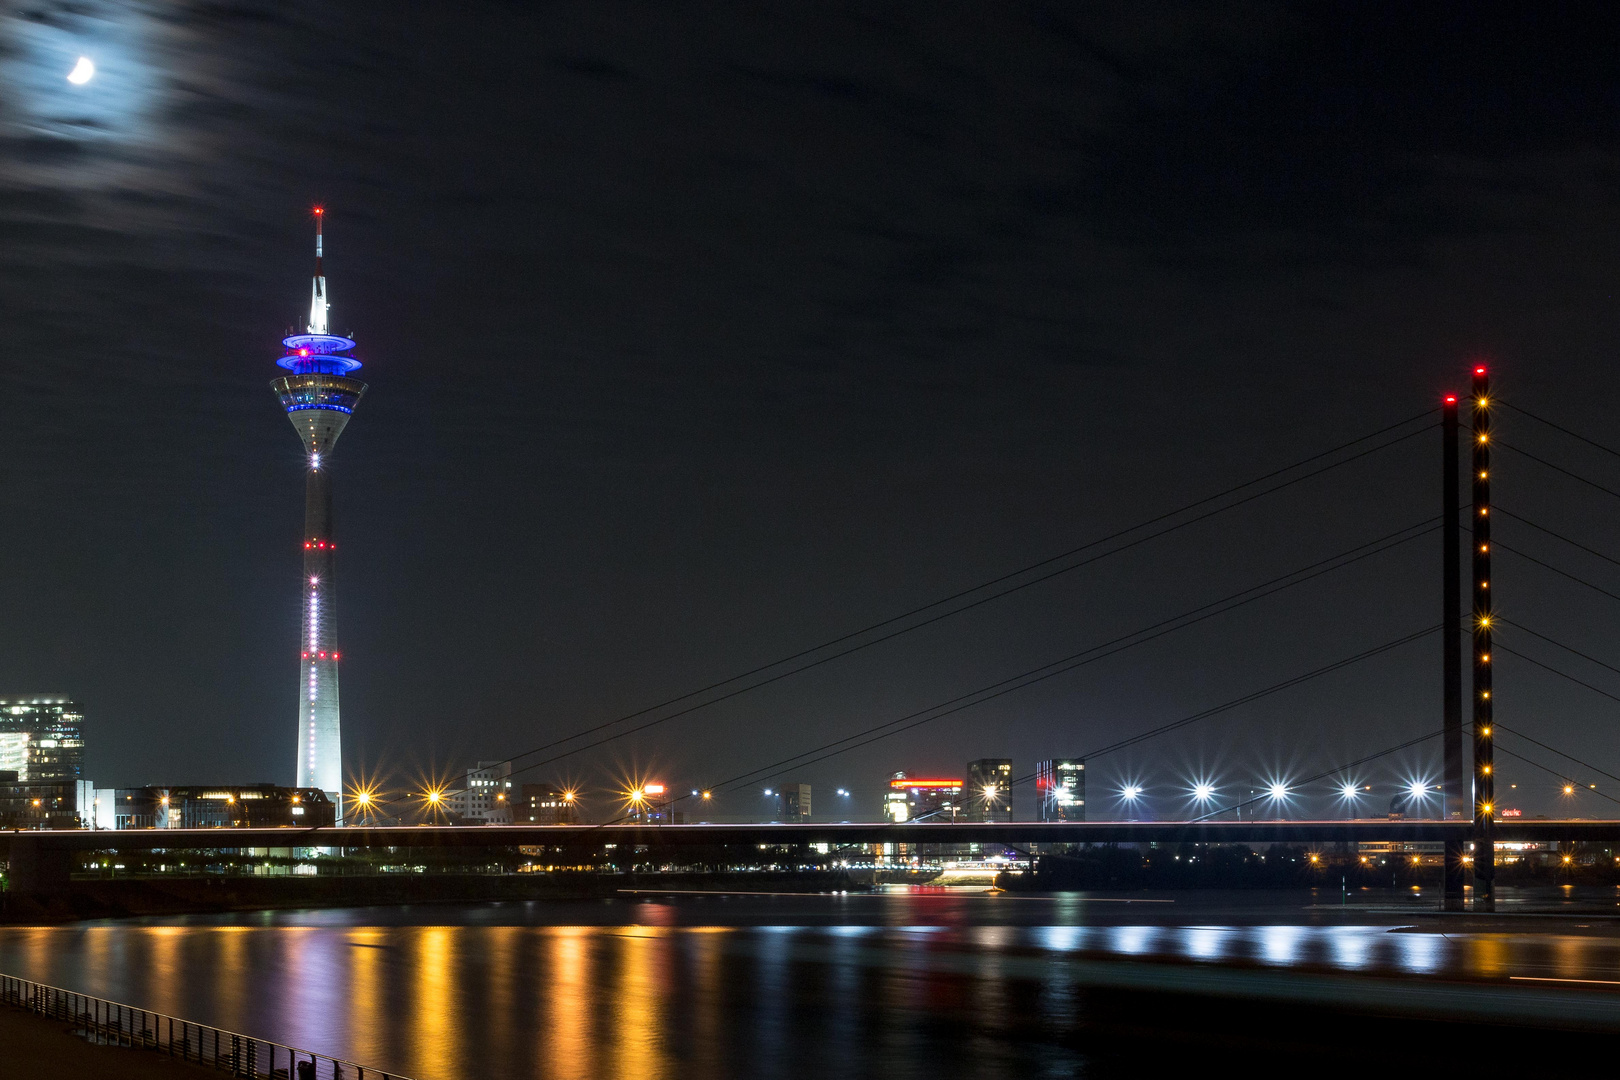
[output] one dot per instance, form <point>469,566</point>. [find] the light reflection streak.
<point>1204,942</point>
<point>1061,938</point>
<point>436,1004</point>
<point>1134,940</point>
<point>1350,947</point>
<point>1419,953</point>
<point>1280,944</point>
<point>638,1045</point>
<point>569,983</point>
<point>367,1006</point>
<point>707,1000</point>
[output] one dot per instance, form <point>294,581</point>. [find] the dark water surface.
<point>907,984</point>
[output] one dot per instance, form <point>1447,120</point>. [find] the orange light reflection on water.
<point>640,1046</point>
<point>437,1030</point>
<point>567,1033</point>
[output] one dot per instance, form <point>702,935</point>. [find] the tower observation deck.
<point>319,396</point>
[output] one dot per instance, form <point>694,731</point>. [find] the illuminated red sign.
<point>901,784</point>
<point>1513,813</point>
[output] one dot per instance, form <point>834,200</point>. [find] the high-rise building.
<point>1060,789</point>
<point>922,799</point>
<point>989,790</point>
<point>546,804</point>
<point>484,794</point>
<point>796,802</point>
<point>41,761</point>
<point>319,397</point>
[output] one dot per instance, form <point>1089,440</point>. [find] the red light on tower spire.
<point>1451,399</point>
<point>1479,370</point>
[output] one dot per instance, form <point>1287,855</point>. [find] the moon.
<point>82,72</point>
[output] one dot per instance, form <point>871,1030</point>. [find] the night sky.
<point>700,335</point>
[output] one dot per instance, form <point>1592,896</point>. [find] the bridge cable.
<point>1560,427</point>
<point>968,592</point>
<point>1554,569</point>
<point>1562,776</point>
<point>1583,764</point>
<point>1559,644</point>
<point>1142,636</point>
<point>1558,468</point>
<point>1163,728</point>
<point>1499,647</point>
<point>1500,510</point>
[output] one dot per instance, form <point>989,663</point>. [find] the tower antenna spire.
<point>317,296</point>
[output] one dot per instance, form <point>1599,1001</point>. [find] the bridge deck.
<point>839,834</point>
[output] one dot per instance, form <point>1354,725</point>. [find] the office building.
<point>224,806</point>
<point>546,804</point>
<point>483,795</point>
<point>41,762</point>
<point>989,790</point>
<point>922,799</point>
<point>319,397</point>
<point>1060,789</point>
<point>796,802</point>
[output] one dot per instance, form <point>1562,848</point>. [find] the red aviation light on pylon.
<point>1451,399</point>
<point>1479,370</point>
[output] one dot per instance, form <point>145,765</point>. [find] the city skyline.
<point>648,425</point>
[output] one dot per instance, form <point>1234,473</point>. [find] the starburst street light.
<point>1129,794</point>
<point>1277,791</point>
<point>1203,792</point>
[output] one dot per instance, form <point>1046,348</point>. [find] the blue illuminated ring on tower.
<point>309,354</point>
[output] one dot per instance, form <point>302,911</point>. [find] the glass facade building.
<point>41,762</point>
<point>1060,789</point>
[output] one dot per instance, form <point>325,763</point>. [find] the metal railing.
<point>110,1023</point>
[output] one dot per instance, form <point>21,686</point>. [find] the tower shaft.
<point>320,742</point>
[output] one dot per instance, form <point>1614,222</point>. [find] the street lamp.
<point>1277,791</point>
<point>1128,795</point>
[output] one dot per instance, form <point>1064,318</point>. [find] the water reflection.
<point>667,992</point>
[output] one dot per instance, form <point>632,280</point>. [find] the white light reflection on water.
<point>1419,953</point>
<point>1061,938</point>
<point>1134,940</point>
<point>1350,947</point>
<point>1280,944</point>
<point>1205,942</point>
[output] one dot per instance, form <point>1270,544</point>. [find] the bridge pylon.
<point>1483,613</point>
<point>1454,786</point>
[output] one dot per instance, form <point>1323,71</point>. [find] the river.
<point>894,984</point>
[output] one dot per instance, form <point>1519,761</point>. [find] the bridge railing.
<point>111,1023</point>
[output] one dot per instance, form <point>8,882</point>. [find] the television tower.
<point>319,397</point>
